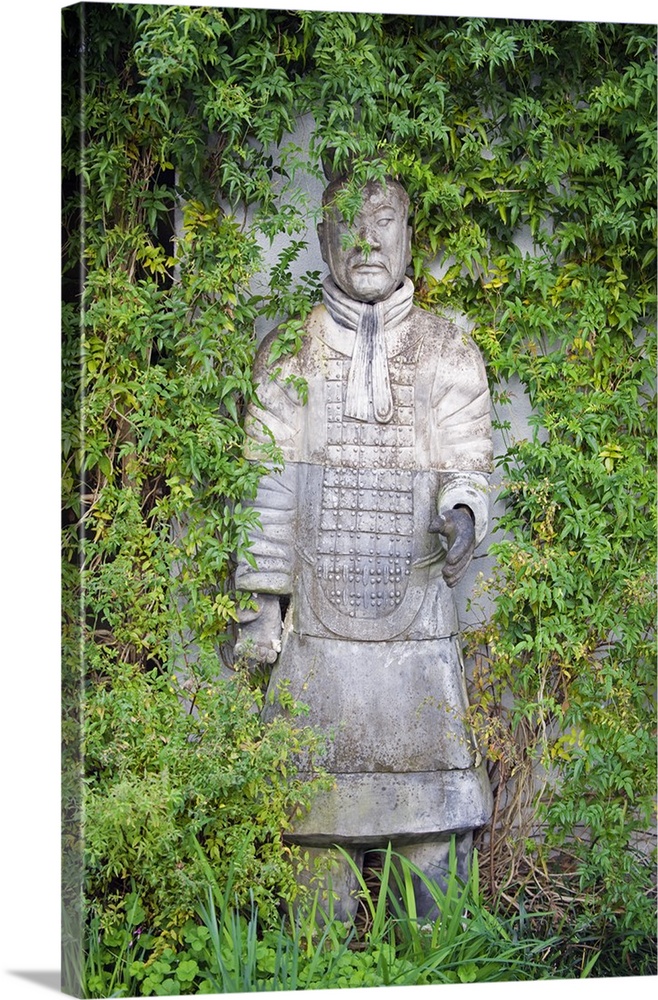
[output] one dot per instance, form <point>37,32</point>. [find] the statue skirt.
<point>397,740</point>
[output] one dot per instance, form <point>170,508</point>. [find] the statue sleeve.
<point>272,542</point>
<point>461,430</point>
<point>272,547</point>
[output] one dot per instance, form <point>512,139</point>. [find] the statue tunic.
<point>370,640</point>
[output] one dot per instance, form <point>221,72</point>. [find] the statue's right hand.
<point>247,648</point>
<point>259,638</point>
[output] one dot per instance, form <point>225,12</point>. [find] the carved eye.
<point>385,221</point>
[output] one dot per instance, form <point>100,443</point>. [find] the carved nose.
<point>369,235</point>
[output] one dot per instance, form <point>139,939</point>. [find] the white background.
<point>29,901</point>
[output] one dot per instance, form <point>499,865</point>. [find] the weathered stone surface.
<point>384,706</point>
<point>374,518</point>
<point>372,809</point>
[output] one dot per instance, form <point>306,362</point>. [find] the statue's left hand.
<point>458,528</point>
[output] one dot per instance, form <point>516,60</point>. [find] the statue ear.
<point>321,238</point>
<point>408,255</point>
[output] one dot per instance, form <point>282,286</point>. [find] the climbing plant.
<point>528,151</point>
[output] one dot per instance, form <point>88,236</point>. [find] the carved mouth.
<point>369,267</point>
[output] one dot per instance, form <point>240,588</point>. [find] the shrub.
<point>159,782</point>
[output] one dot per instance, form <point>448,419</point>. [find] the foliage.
<point>528,151</point>
<point>157,360</point>
<point>159,781</point>
<point>572,631</point>
<point>229,952</point>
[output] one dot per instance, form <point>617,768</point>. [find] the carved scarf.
<point>369,368</point>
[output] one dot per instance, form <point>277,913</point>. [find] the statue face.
<point>382,225</point>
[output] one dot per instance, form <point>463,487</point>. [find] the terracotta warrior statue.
<point>370,524</point>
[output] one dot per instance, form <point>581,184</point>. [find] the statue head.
<point>372,264</point>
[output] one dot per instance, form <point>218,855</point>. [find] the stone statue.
<point>374,518</point>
